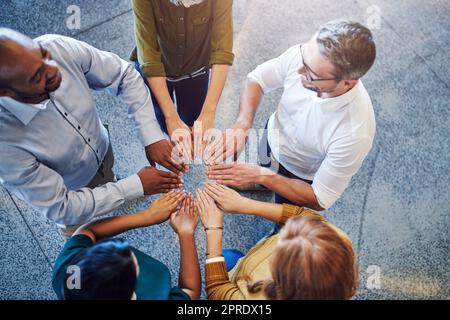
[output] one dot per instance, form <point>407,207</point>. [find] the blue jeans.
<point>189,94</point>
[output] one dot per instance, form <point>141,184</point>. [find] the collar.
<point>25,112</point>
<point>339,101</point>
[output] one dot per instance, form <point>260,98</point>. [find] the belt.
<point>192,75</point>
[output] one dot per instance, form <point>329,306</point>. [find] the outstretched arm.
<point>158,212</point>
<point>184,223</point>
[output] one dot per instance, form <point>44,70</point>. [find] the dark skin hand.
<point>158,181</point>
<point>163,152</point>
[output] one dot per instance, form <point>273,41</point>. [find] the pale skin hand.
<point>231,201</point>
<point>226,199</point>
<point>249,101</point>
<point>219,74</point>
<point>237,174</point>
<point>212,219</point>
<point>184,222</point>
<point>210,215</point>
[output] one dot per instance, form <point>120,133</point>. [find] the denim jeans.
<point>188,94</point>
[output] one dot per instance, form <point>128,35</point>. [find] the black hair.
<point>107,272</point>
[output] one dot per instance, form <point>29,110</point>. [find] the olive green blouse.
<point>174,40</point>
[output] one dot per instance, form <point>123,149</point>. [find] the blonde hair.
<point>311,261</point>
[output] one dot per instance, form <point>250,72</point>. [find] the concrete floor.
<point>396,209</point>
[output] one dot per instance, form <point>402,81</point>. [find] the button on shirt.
<point>51,151</point>
<point>324,140</point>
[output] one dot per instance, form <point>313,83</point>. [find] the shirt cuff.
<point>215,259</point>
<point>153,70</point>
<point>325,197</point>
<point>131,187</point>
<point>150,133</point>
<point>216,271</point>
<point>253,76</point>
<point>222,57</point>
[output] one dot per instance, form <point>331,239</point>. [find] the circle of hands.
<point>209,146</point>
<point>184,209</point>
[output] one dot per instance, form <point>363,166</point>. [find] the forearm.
<point>219,73</point>
<point>249,102</point>
<point>266,210</point>
<point>159,88</point>
<point>189,278</point>
<point>110,227</point>
<point>295,190</point>
<point>213,243</point>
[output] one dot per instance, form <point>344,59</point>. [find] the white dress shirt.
<point>49,152</point>
<point>323,140</point>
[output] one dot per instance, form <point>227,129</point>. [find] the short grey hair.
<point>349,46</point>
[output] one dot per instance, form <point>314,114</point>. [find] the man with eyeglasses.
<point>323,127</point>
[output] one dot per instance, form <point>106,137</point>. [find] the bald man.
<point>55,152</point>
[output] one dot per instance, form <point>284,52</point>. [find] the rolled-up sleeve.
<point>106,70</point>
<point>217,284</point>
<point>148,50</point>
<point>222,33</point>
<point>44,189</point>
<point>271,74</point>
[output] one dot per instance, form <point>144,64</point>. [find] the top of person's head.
<point>12,44</point>
<point>107,272</point>
<point>311,262</point>
<point>349,46</point>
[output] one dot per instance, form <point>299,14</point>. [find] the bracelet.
<point>213,228</point>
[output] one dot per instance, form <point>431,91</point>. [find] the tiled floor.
<point>396,209</point>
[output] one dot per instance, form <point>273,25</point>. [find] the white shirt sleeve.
<point>271,75</point>
<point>342,161</point>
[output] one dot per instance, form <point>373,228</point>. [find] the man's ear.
<point>350,83</point>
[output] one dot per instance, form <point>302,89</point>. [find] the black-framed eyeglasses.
<point>309,71</point>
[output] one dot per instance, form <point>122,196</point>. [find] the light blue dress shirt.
<point>49,152</point>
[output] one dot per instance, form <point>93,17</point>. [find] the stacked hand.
<point>161,209</point>
<point>230,144</point>
<point>237,174</point>
<point>185,219</point>
<point>210,215</point>
<point>158,181</point>
<point>227,199</point>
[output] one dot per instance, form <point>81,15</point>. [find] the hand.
<point>181,135</point>
<point>232,143</point>
<point>210,214</point>
<point>164,153</point>
<point>202,125</point>
<point>161,209</point>
<point>185,220</point>
<point>237,174</point>
<point>227,199</point>
<point>158,181</point>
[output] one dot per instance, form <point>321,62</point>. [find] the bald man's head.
<point>27,73</point>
